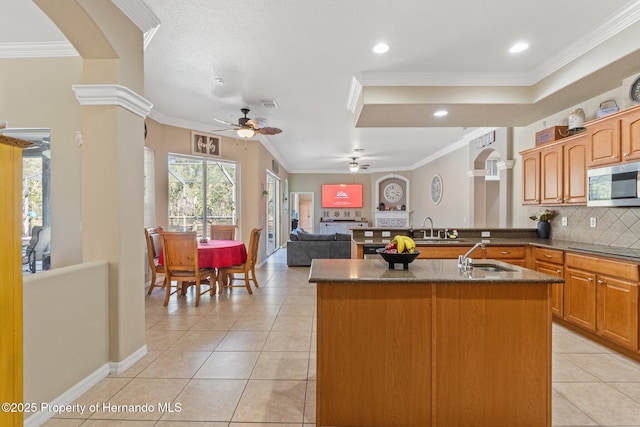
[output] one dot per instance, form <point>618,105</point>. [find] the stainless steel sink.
<point>492,268</point>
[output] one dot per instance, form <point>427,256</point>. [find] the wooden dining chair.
<point>226,274</point>
<point>223,232</point>
<point>154,244</point>
<point>180,252</point>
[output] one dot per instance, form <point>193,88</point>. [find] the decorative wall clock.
<point>634,92</point>
<point>436,189</point>
<point>393,192</point>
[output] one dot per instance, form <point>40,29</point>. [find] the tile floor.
<point>249,361</point>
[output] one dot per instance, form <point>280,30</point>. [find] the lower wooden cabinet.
<point>617,309</point>
<point>580,298</point>
<point>557,289</point>
<point>601,295</point>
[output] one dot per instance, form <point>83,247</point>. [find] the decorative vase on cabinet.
<point>544,229</point>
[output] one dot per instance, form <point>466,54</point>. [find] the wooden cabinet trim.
<point>609,267</point>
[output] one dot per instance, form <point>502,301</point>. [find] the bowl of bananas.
<point>400,250</point>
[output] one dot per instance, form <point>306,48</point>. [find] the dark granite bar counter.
<point>421,271</point>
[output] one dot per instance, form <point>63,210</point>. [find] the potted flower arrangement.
<point>544,227</point>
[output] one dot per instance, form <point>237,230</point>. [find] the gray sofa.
<point>303,247</point>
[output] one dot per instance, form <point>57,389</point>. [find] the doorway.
<point>302,210</point>
<point>273,213</point>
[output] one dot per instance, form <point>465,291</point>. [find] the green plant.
<point>543,216</point>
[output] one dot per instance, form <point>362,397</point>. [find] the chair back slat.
<point>254,240</point>
<point>223,232</point>
<point>180,251</point>
<point>154,242</point>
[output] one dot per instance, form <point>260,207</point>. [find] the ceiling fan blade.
<point>224,122</point>
<point>222,130</point>
<point>268,131</point>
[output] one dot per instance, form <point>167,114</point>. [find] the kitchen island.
<point>432,345</point>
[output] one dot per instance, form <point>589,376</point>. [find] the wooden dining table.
<point>217,254</point>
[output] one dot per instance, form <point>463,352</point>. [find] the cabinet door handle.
<point>548,256</point>
<point>626,154</point>
<point>600,282</point>
<point>615,156</point>
<point>505,253</point>
<point>558,271</point>
<point>589,279</point>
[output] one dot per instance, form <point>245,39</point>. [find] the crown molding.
<point>141,15</point>
<point>614,24</point>
<point>37,50</point>
<point>113,95</point>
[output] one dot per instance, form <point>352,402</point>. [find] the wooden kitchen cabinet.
<point>515,255</point>
<point>614,139</point>
<point>601,295</point>
<point>551,261</point>
<point>580,298</point>
<point>562,174</point>
<point>630,135</point>
<point>575,170</point>
<point>603,140</point>
<point>618,310</point>
<point>551,175</point>
<point>531,178</point>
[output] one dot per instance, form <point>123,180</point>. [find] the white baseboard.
<point>39,418</point>
<point>119,367</point>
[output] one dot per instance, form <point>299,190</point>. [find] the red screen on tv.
<point>341,195</point>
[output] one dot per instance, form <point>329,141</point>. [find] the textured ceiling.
<point>315,59</point>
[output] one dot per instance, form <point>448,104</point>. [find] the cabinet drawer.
<point>549,255</point>
<point>451,252</point>
<point>609,267</point>
<point>505,252</point>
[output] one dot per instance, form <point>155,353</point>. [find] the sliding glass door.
<point>201,192</point>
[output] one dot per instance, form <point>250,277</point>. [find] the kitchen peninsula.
<point>432,345</point>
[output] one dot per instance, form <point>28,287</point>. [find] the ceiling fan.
<point>247,127</point>
<point>355,166</point>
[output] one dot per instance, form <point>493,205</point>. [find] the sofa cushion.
<point>310,236</point>
<point>294,234</point>
<point>343,236</point>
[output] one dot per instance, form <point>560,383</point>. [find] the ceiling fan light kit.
<point>245,132</point>
<point>247,127</point>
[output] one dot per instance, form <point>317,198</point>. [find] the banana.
<point>410,245</point>
<point>404,243</point>
<point>399,243</point>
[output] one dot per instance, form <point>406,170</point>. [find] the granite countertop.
<point>627,254</point>
<point>420,271</point>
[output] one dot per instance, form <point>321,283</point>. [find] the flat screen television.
<point>341,195</point>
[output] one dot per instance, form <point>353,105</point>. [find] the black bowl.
<point>404,258</point>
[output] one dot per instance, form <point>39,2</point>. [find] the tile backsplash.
<point>614,226</point>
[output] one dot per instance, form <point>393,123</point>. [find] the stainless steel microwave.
<point>614,185</point>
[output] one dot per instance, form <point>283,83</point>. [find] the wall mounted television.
<point>342,195</point>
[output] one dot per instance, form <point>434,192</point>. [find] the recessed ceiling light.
<point>440,113</point>
<point>519,47</point>
<point>381,48</point>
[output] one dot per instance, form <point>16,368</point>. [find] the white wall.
<point>66,331</point>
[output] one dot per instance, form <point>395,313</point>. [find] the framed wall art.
<point>204,144</point>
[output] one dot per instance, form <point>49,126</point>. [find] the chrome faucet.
<point>464,261</point>
<point>424,222</point>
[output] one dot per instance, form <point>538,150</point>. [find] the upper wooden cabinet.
<point>614,139</point>
<point>556,173</point>
<point>531,178</point>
